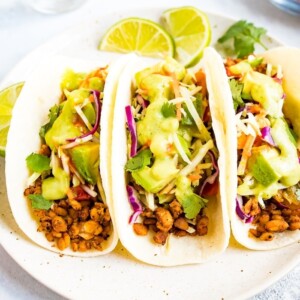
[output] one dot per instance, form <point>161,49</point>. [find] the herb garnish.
<point>245,36</point>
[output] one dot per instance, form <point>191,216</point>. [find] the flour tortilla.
<point>40,92</point>
<point>288,58</point>
<point>176,251</point>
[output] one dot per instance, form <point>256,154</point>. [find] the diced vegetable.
<point>135,204</point>
<point>132,129</point>
<point>239,210</point>
<point>96,96</point>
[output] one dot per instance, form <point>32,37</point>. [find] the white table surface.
<point>23,29</point>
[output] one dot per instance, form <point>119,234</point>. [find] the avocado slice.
<point>85,157</point>
<point>260,165</point>
<point>269,165</point>
<point>154,178</point>
<point>63,127</point>
<point>56,187</point>
<point>157,87</point>
<point>167,67</point>
<point>288,163</point>
<point>265,90</point>
<point>240,68</point>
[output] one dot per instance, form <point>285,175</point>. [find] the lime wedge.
<point>138,35</point>
<point>8,98</point>
<point>191,31</point>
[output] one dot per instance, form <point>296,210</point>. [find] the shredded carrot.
<point>170,148</point>
<point>175,84</point>
<point>70,194</point>
<point>246,154</point>
<point>145,146</point>
<point>241,141</point>
<point>254,108</point>
<point>201,80</point>
<point>194,177</point>
<point>178,111</point>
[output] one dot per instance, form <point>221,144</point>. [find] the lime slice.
<point>191,32</point>
<point>8,98</point>
<point>138,35</point>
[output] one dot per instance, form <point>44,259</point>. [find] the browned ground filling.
<point>83,225</point>
<point>170,220</point>
<point>273,219</point>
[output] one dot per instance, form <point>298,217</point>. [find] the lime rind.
<point>187,25</point>
<point>8,97</point>
<point>138,35</point>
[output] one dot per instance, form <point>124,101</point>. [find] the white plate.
<point>238,273</point>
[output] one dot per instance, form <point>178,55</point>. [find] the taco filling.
<point>268,166</point>
<point>65,190</point>
<point>172,169</point>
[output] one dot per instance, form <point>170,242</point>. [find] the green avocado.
<point>71,80</point>
<point>90,113</point>
<point>167,67</point>
<point>269,165</point>
<point>265,90</point>
<point>157,87</point>
<point>96,83</point>
<point>85,157</point>
<point>156,129</point>
<point>154,178</point>
<point>63,127</point>
<point>56,187</point>
<point>287,163</point>
<point>260,165</point>
<point>240,68</point>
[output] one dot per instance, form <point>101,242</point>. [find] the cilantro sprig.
<point>192,204</point>
<point>53,115</point>
<point>38,162</point>
<point>245,35</point>
<point>139,161</point>
<point>168,110</point>
<point>39,202</point>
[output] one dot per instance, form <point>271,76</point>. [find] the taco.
<point>263,158</point>
<point>168,159</point>
<point>58,197</point>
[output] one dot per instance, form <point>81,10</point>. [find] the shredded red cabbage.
<point>132,130</point>
<point>142,101</point>
<point>212,178</point>
<point>239,210</point>
<point>266,135</point>
<point>135,204</point>
<point>96,95</point>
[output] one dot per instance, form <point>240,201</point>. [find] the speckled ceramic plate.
<point>238,273</point>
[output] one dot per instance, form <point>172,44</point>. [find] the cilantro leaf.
<point>168,110</point>
<point>245,36</point>
<point>139,161</point>
<point>39,202</point>
<point>187,119</point>
<point>53,114</point>
<point>236,91</point>
<point>192,204</point>
<point>38,163</point>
